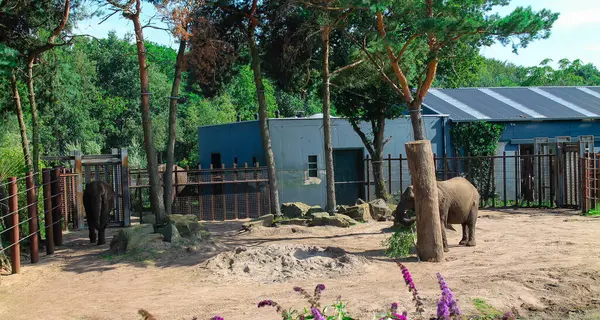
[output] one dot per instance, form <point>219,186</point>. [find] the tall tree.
<point>131,9</point>
<point>431,26</point>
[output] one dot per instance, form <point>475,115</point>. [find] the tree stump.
<point>429,233</point>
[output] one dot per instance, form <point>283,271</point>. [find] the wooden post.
<point>246,188</point>
<point>235,194</point>
<point>56,204</point>
<point>390,174</point>
<point>504,177</point>
<point>429,227</point>
<point>493,173</point>
<point>126,201</point>
<point>368,180</point>
<point>13,208</point>
<point>445,160</point>
<point>223,193</point>
<point>212,193</point>
<point>551,170</point>
<point>517,178</point>
<point>48,212</point>
<point>33,216</point>
<point>256,177</point>
<point>539,178</point>
<point>78,170</point>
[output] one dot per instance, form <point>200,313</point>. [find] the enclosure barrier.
<point>13,231</point>
<point>211,194</point>
<point>565,180</point>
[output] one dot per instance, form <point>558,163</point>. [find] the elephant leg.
<point>465,238</point>
<point>92,234</point>
<point>444,239</point>
<point>471,223</point>
<point>101,236</point>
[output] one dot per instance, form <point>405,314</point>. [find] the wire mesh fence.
<point>211,194</point>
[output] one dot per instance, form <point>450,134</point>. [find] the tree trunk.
<point>22,127</point>
<point>377,156</point>
<point>168,178</point>
<point>429,231</point>
<point>156,201</point>
<point>264,126</point>
<point>34,114</point>
<point>329,171</point>
<point>416,120</point>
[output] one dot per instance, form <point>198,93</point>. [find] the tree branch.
<point>63,22</point>
<point>350,66</point>
<point>411,39</point>
<point>363,137</point>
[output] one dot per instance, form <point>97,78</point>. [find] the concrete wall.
<point>294,140</point>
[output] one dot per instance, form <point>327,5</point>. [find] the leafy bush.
<point>400,243</point>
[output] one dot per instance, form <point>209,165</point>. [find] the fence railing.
<point>16,227</point>
<point>507,180</point>
<point>210,194</point>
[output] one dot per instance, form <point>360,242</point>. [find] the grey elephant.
<point>98,201</point>
<point>458,203</point>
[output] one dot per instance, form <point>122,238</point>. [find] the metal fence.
<point>507,180</point>
<point>211,194</point>
<point>20,223</point>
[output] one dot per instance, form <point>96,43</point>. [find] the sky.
<point>575,35</point>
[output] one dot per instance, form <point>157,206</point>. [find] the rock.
<point>132,238</point>
<point>314,209</point>
<point>294,222</point>
<point>341,220</point>
<point>359,212</point>
<point>189,226</point>
<point>263,221</point>
<point>319,219</point>
<point>169,232</point>
<point>360,201</point>
<point>294,209</point>
<point>380,211</point>
<point>342,208</point>
<point>149,219</point>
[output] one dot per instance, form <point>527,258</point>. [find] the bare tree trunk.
<point>156,201</point>
<point>168,178</point>
<point>429,227</point>
<point>378,144</point>
<point>22,127</point>
<point>264,126</point>
<point>329,171</point>
<point>34,113</point>
<point>416,120</point>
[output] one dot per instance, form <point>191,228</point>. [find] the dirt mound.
<point>279,263</point>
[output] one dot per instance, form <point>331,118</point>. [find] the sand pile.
<point>278,263</point>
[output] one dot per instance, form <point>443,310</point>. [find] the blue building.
<point>529,114</point>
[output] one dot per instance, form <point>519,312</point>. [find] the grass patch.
<point>593,213</point>
<point>486,309</point>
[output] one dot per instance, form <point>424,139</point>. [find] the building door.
<point>349,175</point>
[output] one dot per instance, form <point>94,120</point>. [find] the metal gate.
<point>110,168</point>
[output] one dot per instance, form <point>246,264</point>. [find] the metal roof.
<point>516,103</point>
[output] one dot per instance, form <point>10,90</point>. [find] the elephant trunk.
<point>400,219</point>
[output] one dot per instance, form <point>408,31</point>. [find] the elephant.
<point>458,203</point>
<point>182,178</point>
<point>99,201</point>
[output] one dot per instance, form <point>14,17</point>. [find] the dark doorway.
<point>527,173</point>
<point>215,160</point>
<point>349,175</point>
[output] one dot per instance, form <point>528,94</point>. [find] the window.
<point>312,167</point>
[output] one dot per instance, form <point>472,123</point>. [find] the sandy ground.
<point>544,264</point>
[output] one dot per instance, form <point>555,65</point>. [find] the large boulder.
<point>294,222</point>
<point>149,219</point>
<point>169,232</point>
<point>341,221</point>
<point>294,209</point>
<point>262,221</point>
<point>380,210</point>
<point>133,238</point>
<point>314,209</point>
<point>188,226</point>
<point>319,219</point>
<point>359,212</point>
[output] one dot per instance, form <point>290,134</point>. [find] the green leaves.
<point>8,60</point>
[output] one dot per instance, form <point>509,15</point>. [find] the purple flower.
<point>217,318</point>
<point>411,287</point>
<point>447,305</point>
<point>319,288</point>
<point>394,307</point>
<point>266,303</point>
<point>317,314</point>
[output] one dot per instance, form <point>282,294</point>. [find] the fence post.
<point>79,172</point>
<point>48,212</point>
<point>504,177</point>
<point>368,180</point>
<point>33,216</point>
<point>126,201</point>
<point>445,161</point>
<point>517,178</point>
<point>539,179</point>
<point>401,182</point>
<point>13,208</point>
<point>390,173</point>
<point>56,204</point>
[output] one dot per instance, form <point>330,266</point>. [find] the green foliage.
<point>400,243</point>
<point>12,161</point>
<point>486,309</point>
<point>478,139</point>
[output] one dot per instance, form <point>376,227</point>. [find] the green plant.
<point>486,309</point>
<point>400,243</point>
